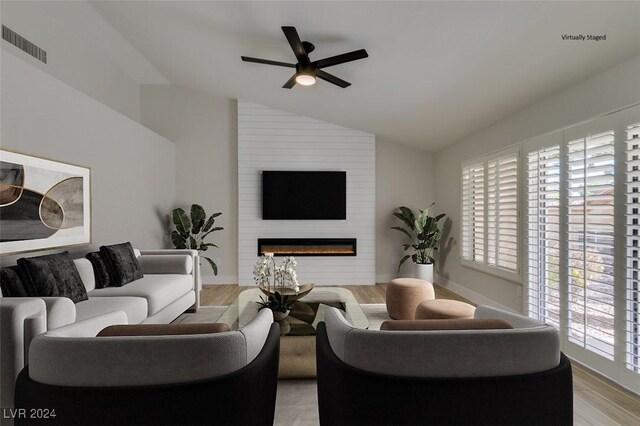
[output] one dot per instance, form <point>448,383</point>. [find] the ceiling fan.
<point>307,71</point>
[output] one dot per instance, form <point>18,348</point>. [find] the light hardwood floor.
<point>221,295</point>
<point>596,401</point>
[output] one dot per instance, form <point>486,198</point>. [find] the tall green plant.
<point>190,231</point>
<point>424,234</point>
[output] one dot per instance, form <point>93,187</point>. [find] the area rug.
<point>376,314</point>
<point>297,400</point>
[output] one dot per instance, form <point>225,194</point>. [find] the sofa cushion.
<point>14,284</point>
<point>160,290</point>
<point>122,263</point>
<point>446,324</point>
<point>100,269</point>
<point>163,329</point>
<point>54,275</point>
<point>134,307</point>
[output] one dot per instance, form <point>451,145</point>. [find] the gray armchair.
<point>169,379</point>
<point>497,376</point>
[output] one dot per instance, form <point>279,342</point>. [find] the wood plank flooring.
<point>220,295</point>
<point>597,400</point>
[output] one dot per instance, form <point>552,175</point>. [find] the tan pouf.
<point>444,309</point>
<point>405,294</point>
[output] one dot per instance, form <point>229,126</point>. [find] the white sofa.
<point>170,286</point>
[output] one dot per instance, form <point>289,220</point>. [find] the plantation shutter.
<point>543,235</point>
<point>473,216</point>
<point>633,248</point>
<point>590,232</point>
<point>502,212</point>
<point>583,240</point>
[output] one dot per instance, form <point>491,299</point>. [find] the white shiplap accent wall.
<point>269,139</point>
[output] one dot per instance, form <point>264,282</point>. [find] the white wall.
<point>204,129</point>
<point>611,90</point>
<point>132,168</point>
<point>269,139</point>
<point>83,50</point>
<point>404,177</point>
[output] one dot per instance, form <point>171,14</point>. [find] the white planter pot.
<point>423,271</point>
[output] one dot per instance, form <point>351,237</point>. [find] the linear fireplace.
<point>307,246</point>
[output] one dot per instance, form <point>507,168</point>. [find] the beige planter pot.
<point>423,271</point>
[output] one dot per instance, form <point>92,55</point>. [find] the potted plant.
<point>279,304</point>
<point>425,236</point>
<point>190,231</point>
<point>279,283</point>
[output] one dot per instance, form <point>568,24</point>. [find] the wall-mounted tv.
<point>304,195</point>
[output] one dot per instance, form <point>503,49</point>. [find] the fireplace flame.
<point>293,250</point>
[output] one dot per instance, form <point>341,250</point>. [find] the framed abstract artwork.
<point>43,203</point>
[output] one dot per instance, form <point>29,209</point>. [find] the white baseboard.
<point>476,298</point>
<point>220,279</point>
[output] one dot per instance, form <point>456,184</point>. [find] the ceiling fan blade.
<point>296,44</point>
<point>268,62</point>
<point>290,83</point>
<point>332,79</point>
<point>341,59</point>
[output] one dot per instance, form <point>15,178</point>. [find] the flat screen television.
<point>298,195</point>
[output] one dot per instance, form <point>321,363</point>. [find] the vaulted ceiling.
<point>437,71</point>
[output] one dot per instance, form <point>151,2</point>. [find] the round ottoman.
<point>444,309</point>
<point>405,294</point>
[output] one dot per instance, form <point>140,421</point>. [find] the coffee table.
<point>297,331</point>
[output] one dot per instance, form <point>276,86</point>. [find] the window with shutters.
<point>590,232</point>
<point>543,235</point>
<point>582,206</point>
<point>632,300</point>
<point>490,228</point>
<point>502,215</point>
<point>473,241</point>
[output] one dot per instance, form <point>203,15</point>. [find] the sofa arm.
<point>21,319</point>
<point>197,283</point>
<point>166,264</point>
<point>61,311</point>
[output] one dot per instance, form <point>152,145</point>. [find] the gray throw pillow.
<point>54,275</point>
<point>122,264</point>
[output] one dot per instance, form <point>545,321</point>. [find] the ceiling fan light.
<point>305,80</point>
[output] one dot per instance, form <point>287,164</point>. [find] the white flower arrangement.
<point>271,277</point>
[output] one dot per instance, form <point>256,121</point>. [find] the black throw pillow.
<point>122,264</point>
<point>54,275</point>
<point>100,269</point>
<point>14,283</point>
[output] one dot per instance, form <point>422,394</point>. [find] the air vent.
<point>24,44</point>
